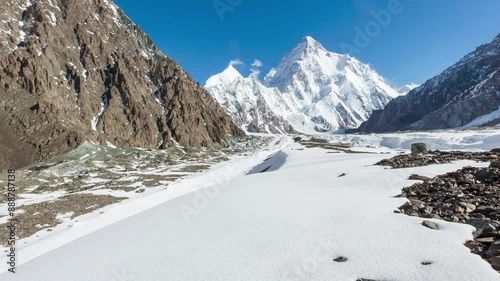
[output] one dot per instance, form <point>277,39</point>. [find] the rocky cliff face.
<point>466,94</point>
<point>81,70</point>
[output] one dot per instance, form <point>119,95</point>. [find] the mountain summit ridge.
<point>320,90</point>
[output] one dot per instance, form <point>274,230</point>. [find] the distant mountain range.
<point>72,71</point>
<point>314,90</point>
<point>75,71</point>
<point>310,90</point>
<point>465,95</point>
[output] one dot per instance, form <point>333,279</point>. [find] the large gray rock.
<point>340,259</point>
<point>418,148</point>
<point>430,225</point>
<point>495,165</point>
<point>487,230</point>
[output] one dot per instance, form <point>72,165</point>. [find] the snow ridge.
<point>313,89</point>
<point>254,107</point>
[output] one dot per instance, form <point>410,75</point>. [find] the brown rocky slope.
<point>81,70</point>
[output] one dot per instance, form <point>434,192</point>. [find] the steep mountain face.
<point>466,94</point>
<point>314,90</point>
<point>81,70</point>
<point>254,107</point>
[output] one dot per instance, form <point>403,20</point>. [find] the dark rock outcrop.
<point>455,98</point>
<point>418,148</point>
<point>82,70</point>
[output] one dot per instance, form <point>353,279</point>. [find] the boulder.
<point>418,177</point>
<point>495,165</point>
<point>418,148</point>
<point>430,225</point>
<point>495,262</point>
<point>494,250</point>
<point>487,230</point>
<point>340,259</point>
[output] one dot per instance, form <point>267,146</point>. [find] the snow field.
<point>287,224</point>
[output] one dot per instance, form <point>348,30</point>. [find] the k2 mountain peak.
<point>310,90</point>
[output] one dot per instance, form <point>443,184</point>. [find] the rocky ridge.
<point>470,195</point>
<point>465,95</point>
<point>72,71</point>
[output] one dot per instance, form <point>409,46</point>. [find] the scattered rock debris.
<point>437,157</point>
<point>470,195</point>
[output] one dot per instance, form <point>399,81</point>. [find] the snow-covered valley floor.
<point>287,223</point>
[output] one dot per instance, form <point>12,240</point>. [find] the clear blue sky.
<point>420,41</point>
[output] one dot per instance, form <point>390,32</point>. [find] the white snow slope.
<point>287,224</point>
<point>253,106</point>
<point>311,88</point>
<point>485,119</point>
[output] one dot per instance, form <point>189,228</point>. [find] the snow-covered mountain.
<point>311,89</point>
<point>253,106</point>
<point>466,94</point>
